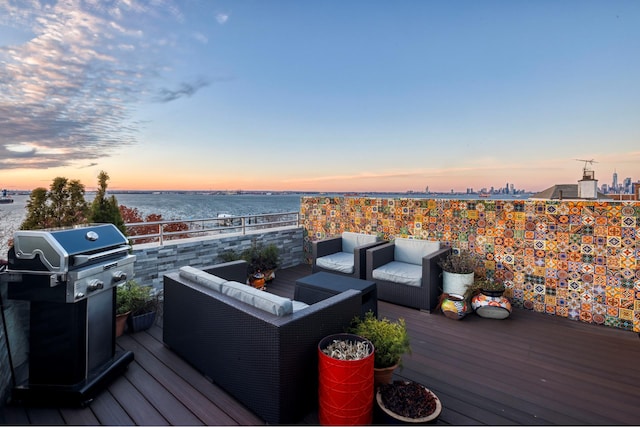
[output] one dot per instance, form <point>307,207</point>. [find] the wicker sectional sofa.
<point>266,361</point>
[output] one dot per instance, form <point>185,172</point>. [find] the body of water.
<point>190,206</point>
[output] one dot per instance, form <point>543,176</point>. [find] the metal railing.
<point>159,231</point>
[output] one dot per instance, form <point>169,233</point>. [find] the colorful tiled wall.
<point>574,259</point>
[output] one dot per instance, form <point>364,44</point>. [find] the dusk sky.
<point>331,95</point>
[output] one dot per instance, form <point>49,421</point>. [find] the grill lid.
<point>61,249</point>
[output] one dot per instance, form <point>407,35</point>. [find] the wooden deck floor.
<point>528,369</point>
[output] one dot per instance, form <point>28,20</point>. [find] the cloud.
<point>185,89</point>
<point>222,18</point>
<point>68,89</point>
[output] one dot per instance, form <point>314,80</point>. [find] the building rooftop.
<point>528,369</point>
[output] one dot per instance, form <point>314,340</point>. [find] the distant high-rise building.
<point>614,183</point>
<point>626,186</point>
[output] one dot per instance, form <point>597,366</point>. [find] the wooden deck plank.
<point>135,404</point>
<point>108,411</point>
<point>181,390</point>
<point>530,369</point>
<point>79,417</point>
<point>160,397</point>
<point>225,405</point>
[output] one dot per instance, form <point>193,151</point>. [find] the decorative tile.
<point>572,259</point>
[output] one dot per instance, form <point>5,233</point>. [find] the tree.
<point>105,209</point>
<point>62,206</point>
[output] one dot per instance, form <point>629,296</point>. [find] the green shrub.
<point>390,339</point>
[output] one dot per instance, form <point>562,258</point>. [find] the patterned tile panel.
<point>575,259</point>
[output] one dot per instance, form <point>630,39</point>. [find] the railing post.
<point>244,228</point>
<point>160,229</point>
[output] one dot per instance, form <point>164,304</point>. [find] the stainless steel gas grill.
<point>70,278</point>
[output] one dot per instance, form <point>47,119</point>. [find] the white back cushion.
<point>351,240</point>
<point>262,300</point>
<point>412,250</point>
<point>202,277</point>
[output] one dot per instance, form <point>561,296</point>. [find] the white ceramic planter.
<point>456,283</point>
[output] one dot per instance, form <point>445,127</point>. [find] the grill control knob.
<point>94,285</point>
<point>119,276</point>
<point>79,295</point>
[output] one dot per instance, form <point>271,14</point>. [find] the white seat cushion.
<point>412,250</point>
<point>351,240</point>
<point>339,261</point>
<point>262,300</point>
<point>399,272</point>
<point>202,277</point>
<point>299,305</point>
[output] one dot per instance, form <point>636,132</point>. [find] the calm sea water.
<point>199,206</point>
<point>189,206</point>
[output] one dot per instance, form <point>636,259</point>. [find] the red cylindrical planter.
<point>345,391</point>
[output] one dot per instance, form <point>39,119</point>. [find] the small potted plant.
<point>489,287</point>
<point>458,269</point>
<point>262,262</point>
<point>143,302</point>
<point>123,307</point>
<point>390,340</point>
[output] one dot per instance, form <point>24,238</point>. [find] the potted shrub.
<point>262,262</point>
<point>123,307</point>
<point>458,269</point>
<point>390,340</point>
<point>143,303</point>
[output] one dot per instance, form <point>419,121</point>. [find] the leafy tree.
<point>105,209</point>
<point>133,215</point>
<point>63,205</point>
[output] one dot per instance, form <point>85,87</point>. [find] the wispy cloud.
<point>185,89</point>
<point>222,18</point>
<point>67,92</point>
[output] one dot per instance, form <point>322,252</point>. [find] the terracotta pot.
<point>383,375</point>
<point>121,322</point>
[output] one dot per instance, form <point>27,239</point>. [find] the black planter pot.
<point>141,322</point>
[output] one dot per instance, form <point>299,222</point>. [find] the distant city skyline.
<point>331,96</point>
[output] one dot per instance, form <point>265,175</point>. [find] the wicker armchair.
<point>268,363</point>
<point>345,255</point>
<point>391,257</point>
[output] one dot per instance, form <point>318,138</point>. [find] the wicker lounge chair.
<point>344,255</point>
<point>393,267</point>
<point>269,363</point>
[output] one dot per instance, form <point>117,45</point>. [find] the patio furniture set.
<point>261,347</point>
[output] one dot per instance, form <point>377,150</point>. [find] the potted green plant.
<point>458,269</point>
<point>142,302</point>
<point>262,262</point>
<point>123,307</point>
<point>390,341</point>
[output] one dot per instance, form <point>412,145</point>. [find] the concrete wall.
<point>153,261</point>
